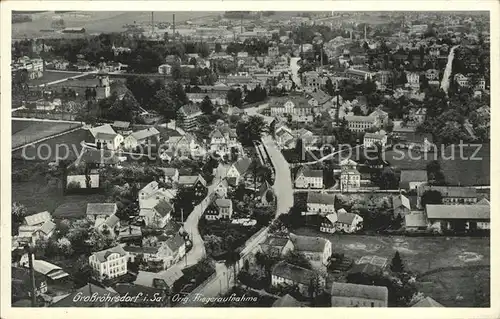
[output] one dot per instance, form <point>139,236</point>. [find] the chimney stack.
<point>173,25</point>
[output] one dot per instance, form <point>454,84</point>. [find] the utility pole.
<point>152,23</point>
<point>173,26</point>
<point>32,275</point>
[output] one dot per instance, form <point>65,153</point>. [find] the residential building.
<point>428,302</point>
<point>382,116</point>
<point>276,246</point>
<point>163,280</point>
<point>318,98</point>
<point>412,179</point>
<point>221,189</point>
<point>328,223</point>
<point>320,204</point>
<point>432,75</point>
<point>221,208</point>
<point>222,140</point>
<point>413,79</point>
<point>316,249</point>
<point>288,302</point>
<point>21,283</point>
<point>354,295</point>
<point>149,136</point>
<point>37,219</point>
<point>109,226</point>
<point>105,137</point>
<point>285,274</point>
<point>458,217</point>
<point>415,221</point>
<point>451,195</point>
<point>374,139</point>
<point>217,98</point>
<point>165,69</point>
<point>171,174</point>
<point>103,210</point>
<point>187,117</point>
<point>121,127</point>
<point>182,145</point>
<point>238,171</point>
<point>173,249</point>
<point>350,178</point>
<point>358,75</point>
<point>297,107</point>
<point>309,178</point>
<point>360,123</point>
<point>311,81</point>
<point>348,222</point>
<point>155,213</point>
<point>400,205</point>
<point>197,182</point>
<point>109,263</point>
<point>465,81</point>
<point>36,232</point>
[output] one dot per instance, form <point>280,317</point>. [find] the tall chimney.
<point>173,25</point>
<point>32,276</point>
<point>365,32</point>
<point>152,23</point>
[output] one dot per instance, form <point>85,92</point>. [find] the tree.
<point>207,106</point>
<point>19,211</point>
<point>297,259</point>
<point>234,97</point>
<point>329,87</point>
<point>251,130</point>
<point>213,245</point>
<point>397,263</point>
<point>192,61</point>
<point>432,197</point>
<point>184,201</point>
<point>176,71</point>
<point>218,47</point>
<point>388,179</point>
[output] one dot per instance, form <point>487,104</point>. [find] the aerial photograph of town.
<point>250,159</point>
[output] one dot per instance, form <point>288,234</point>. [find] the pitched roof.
<point>298,102</point>
<point>143,134</point>
<point>101,209</point>
<point>359,291</point>
<point>103,254</point>
<point>427,302</point>
<point>112,221</point>
<point>307,172</point>
<point>191,180</point>
<point>121,124</point>
<point>320,96</point>
<point>307,243</point>
<point>345,218</point>
<point>359,118</point>
<point>146,278</point>
<point>242,165</point>
<point>332,218</point>
<point>374,135</point>
<point>415,219</point>
<point>169,171</point>
<point>458,211</point>
<point>52,271</point>
<point>190,110</point>
<point>105,136</point>
<point>400,200</point>
<point>130,289</point>
<point>141,250</point>
<point>287,301</point>
<point>294,273</point>
<point>175,242</point>
<point>103,129</point>
<point>450,191</point>
<point>276,241</point>
<point>223,202</point>
<point>163,208</point>
<point>483,201</point>
<point>47,227</point>
<point>320,198</point>
<point>38,218</point>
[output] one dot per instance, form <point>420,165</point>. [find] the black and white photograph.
<point>249,158</point>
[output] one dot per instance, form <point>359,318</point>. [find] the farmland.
<point>24,132</point>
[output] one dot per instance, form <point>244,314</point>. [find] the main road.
<point>445,83</point>
<point>224,277</point>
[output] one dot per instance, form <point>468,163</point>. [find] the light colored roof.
<point>483,201</point>
<point>307,243</point>
<point>223,202</point>
<point>38,218</point>
<point>458,211</point>
<point>190,110</point>
<point>47,227</point>
<point>345,218</point>
<point>103,254</point>
<point>143,134</point>
<point>169,171</point>
<point>104,129</point>
<point>171,275</point>
<point>191,179</point>
<point>415,219</point>
<point>401,200</point>
<point>112,221</point>
<point>332,218</point>
<point>307,172</point>
<point>359,291</point>
<point>101,209</point>
<point>374,135</point>
<point>242,165</point>
<point>175,242</point>
<point>105,136</point>
<point>121,124</point>
<point>320,198</point>
<point>81,179</point>
<point>50,270</point>
<point>412,176</point>
<point>163,208</point>
<point>450,191</point>
<point>427,302</point>
<point>294,273</point>
<point>359,118</point>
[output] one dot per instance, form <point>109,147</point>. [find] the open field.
<point>48,151</point>
<point>421,254</point>
<point>51,76</point>
<point>24,132</point>
<point>96,21</point>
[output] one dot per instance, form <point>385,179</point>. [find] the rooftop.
<point>320,198</point>
<point>143,134</point>
<point>103,254</point>
<point>294,273</point>
<point>359,291</point>
<point>101,209</point>
<point>307,243</point>
<point>458,212</point>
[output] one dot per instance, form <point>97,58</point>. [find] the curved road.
<point>445,83</point>
<point>295,71</point>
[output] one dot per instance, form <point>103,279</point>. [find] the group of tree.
<point>258,94</point>
<point>251,130</point>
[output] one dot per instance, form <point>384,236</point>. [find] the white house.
<point>309,178</point>
<point>106,137</point>
<point>372,139</point>
<point>349,222</point>
<point>149,135</point>
<point>350,178</point>
<point>238,170</point>
<point>320,204</point>
<point>109,263</point>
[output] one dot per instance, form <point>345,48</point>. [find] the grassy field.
<point>24,132</point>
<point>421,254</point>
<point>71,140</point>
<point>51,76</point>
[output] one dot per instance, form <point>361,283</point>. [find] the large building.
<point>458,217</point>
<point>297,107</point>
<point>359,123</point>
<point>187,116</point>
<point>354,295</point>
<point>109,263</point>
<point>451,195</point>
<point>350,177</point>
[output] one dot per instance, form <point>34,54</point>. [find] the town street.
<point>295,71</point>
<point>445,83</point>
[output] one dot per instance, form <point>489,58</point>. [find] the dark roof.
<point>121,124</point>
<point>101,209</point>
<point>307,172</point>
<point>101,156</point>
<point>287,301</point>
<point>163,208</point>
<point>320,198</point>
<point>141,250</point>
<point>359,291</point>
<point>345,218</point>
<point>21,281</point>
<point>428,302</point>
<point>175,242</point>
<point>103,254</point>
<point>276,241</point>
<point>450,191</point>
<point>190,109</point>
<point>191,180</point>
<point>294,273</point>
<point>86,291</point>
